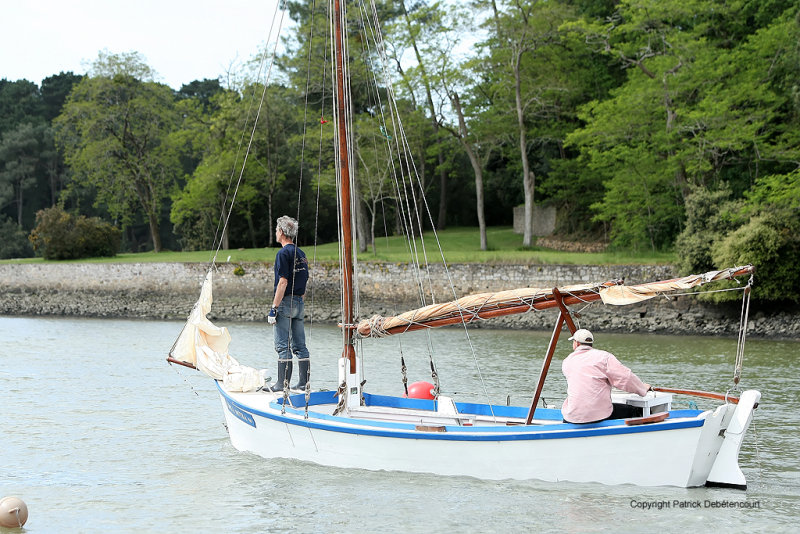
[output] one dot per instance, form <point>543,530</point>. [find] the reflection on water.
<point>100,434</point>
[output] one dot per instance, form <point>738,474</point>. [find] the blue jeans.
<point>289,329</point>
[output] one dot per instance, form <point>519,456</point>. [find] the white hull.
<point>680,451</point>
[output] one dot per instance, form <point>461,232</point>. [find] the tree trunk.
<point>476,167</point>
<point>271,236</point>
<point>441,222</point>
<point>361,224</point>
<point>154,232</point>
<point>251,229</point>
<point>442,217</point>
<point>19,201</point>
<point>528,178</point>
<point>372,225</point>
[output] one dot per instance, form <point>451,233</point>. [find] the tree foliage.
<point>14,242</point>
<point>651,124</point>
<point>115,134</point>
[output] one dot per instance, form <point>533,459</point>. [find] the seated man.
<point>590,375</point>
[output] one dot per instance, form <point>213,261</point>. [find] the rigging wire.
<point>743,320</point>
<point>319,152</point>
<point>280,6</point>
<point>399,133</point>
<point>403,150</point>
<point>222,223</point>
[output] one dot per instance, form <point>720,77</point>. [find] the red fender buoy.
<point>420,390</point>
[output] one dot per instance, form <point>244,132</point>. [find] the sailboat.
<point>348,427</point>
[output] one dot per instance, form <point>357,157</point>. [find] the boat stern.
<point>725,472</point>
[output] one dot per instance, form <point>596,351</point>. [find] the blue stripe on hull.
<point>453,433</point>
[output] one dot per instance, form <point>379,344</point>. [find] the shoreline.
<point>169,290</point>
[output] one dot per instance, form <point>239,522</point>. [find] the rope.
<point>743,319</point>
<point>252,131</point>
<point>225,218</point>
<point>403,370</point>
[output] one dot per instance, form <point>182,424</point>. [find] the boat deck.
<point>428,414</point>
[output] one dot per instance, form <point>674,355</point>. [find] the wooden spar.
<point>551,348</point>
<point>563,316</point>
<point>703,394</point>
<point>538,303</point>
<point>170,359</point>
<point>344,192</point>
<point>468,317</point>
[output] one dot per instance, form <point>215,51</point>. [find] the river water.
<point>100,434</point>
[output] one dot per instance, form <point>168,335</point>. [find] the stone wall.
<point>570,246</point>
<point>168,291</point>
<point>544,220</point>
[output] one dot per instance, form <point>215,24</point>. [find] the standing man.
<point>590,374</point>
<point>291,276</point>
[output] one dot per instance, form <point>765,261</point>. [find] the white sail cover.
<point>468,308</point>
<point>621,295</point>
<point>205,346</point>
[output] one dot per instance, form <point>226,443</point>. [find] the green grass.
<point>460,245</point>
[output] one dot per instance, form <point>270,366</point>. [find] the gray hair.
<point>288,226</point>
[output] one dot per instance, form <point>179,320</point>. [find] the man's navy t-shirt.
<point>291,263</point>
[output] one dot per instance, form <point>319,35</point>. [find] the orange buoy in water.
<point>13,512</point>
<point>420,390</point>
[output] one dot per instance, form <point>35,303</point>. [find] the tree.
<point>223,172</point>
<point>375,169</point>
<point>522,66</point>
<point>476,159</point>
<point>694,110</point>
<point>451,76</point>
<point>19,155</point>
<point>201,90</point>
<point>421,27</point>
<point>131,64</point>
<point>114,131</point>
<point>54,92</point>
<point>19,102</point>
<point>14,241</point>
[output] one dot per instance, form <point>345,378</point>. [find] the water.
<point>99,434</point>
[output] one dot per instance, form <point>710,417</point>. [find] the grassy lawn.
<point>459,245</point>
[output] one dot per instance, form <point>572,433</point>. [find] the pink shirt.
<point>590,374</point>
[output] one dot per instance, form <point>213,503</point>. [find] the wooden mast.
<point>344,191</point>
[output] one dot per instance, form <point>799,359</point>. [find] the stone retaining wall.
<point>168,291</point>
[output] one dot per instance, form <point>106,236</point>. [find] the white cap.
<point>582,336</point>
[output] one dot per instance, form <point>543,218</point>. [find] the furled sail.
<point>479,306</point>
<point>204,346</point>
<point>621,295</point>
<point>485,305</point>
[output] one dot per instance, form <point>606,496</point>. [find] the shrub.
<point>61,236</point>
<point>763,229</point>
<point>13,241</point>
<point>710,216</point>
<point>770,242</point>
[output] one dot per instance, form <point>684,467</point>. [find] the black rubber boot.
<point>304,370</point>
<point>284,375</point>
